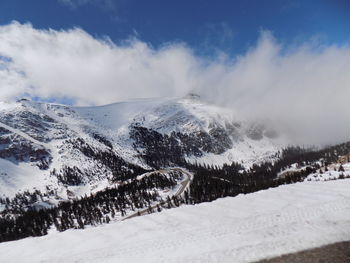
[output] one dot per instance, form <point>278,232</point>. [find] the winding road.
<point>183,185</point>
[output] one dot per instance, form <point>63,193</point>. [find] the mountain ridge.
<point>90,147</point>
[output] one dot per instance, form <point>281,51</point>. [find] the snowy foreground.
<point>241,229</point>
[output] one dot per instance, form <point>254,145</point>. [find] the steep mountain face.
<point>69,151</point>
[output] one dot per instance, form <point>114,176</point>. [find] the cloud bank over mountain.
<point>306,88</point>
<point>48,63</point>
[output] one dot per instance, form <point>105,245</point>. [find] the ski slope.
<point>245,228</point>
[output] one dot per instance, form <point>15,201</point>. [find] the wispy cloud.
<point>107,4</point>
<point>306,88</point>
<point>216,37</point>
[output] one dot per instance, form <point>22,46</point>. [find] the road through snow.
<point>183,185</point>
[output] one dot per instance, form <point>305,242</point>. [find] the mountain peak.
<point>22,100</point>
<point>192,96</point>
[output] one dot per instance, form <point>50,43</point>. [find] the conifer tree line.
<point>212,182</point>
<point>17,221</point>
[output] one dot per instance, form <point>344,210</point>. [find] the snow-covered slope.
<point>239,140</point>
<point>245,228</point>
<point>56,148</point>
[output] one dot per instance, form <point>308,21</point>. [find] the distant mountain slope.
<point>217,134</point>
<point>70,151</point>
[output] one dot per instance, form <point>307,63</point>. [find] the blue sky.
<point>284,60</point>
<point>205,25</point>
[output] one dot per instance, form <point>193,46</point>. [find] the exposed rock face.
<point>178,145</point>
<point>255,132</point>
<point>37,125</point>
<point>18,149</point>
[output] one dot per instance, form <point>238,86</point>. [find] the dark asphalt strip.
<point>334,253</point>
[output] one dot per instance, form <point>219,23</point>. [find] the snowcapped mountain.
<point>69,151</point>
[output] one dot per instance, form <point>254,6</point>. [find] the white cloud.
<point>307,88</point>
<point>94,71</point>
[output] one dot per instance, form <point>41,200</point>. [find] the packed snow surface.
<point>245,228</point>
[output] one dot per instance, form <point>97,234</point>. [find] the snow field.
<point>245,228</point>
